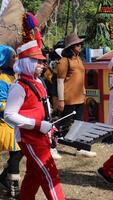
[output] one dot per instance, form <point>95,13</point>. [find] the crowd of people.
<point>26,113</point>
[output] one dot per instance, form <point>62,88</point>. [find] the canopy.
<point>106,56</point>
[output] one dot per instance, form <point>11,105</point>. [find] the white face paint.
<point>39,68</point>
<point>25,66</point>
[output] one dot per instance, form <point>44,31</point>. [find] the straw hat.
<point>30,49</point>
<point>71,40</point>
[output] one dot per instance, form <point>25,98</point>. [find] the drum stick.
<point>73,113</point>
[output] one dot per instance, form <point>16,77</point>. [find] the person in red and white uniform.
<point>26,112</point>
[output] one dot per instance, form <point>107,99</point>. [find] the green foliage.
<point>106,2</point>
<point>97,32</point>
<point>104,17</point>
<point>53,36</point>
<point>85,13</point>
<point>32,5</point>
<point>98,36</point>
<point>90,23</point>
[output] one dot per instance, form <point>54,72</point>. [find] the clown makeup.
<point>25,66</point>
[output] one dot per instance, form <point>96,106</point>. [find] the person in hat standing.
<point>70,83</point>
<point>26,111</point>
<point>106,171</point>
<point>10,176</point>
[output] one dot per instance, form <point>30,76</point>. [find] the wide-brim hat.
<point>72,39</point>
<point>106,56</point>
<point>31,50</point>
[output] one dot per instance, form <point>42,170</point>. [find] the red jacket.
<point>33,108</point>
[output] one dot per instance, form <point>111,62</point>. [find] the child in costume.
<point>27,113</point>
<point>10,175</point>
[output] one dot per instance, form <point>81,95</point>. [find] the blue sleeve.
<point>4,88</point>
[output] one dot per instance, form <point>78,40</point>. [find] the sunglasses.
<point>77,45</point>
<point>40,61</point>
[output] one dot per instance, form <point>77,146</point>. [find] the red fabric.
<point>108,167</point>
<point>33,52</point>
<point>29,51</point>
<point>33,108</point>
<point>33,18</point>
<point>38,37</point>
<point>41,171</point>
<point>34,25</point>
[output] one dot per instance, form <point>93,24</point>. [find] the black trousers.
<point>63,125</point>
<point>13,162</point>
<point>79,108</point>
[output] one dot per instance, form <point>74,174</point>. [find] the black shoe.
<point>101,174</point>
<point>14,189</point>
<point>13,198</point>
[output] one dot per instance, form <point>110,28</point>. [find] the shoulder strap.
<point>44,100</point>
<point>68,69</point>
<point>31,87</point>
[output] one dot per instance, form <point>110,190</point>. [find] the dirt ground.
<point>78,177</point>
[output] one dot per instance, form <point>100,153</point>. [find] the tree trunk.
<point>11,23</point>
<point>46,10</point>
<point>11,20</point>
<point>75,5</point>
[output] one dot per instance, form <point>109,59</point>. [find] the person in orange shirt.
<point>70,83</point>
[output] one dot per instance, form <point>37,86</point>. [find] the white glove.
<point>45,127</point>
